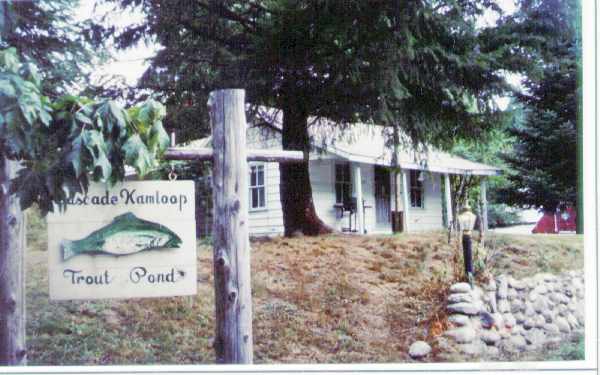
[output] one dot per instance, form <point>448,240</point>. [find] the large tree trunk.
<point>12,271</point>
<point>299,213</point>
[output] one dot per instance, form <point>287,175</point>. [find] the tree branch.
<point>224,12</point>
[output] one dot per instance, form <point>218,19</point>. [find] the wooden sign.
<point>135,239</point>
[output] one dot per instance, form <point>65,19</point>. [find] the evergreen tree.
<point>544,159</point>
<point>415,64</point>
<point>45,33</point>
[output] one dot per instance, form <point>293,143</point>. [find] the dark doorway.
<point>382,195</point>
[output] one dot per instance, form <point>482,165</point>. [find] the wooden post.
<point>406,200</point>
<point>359,199</point>
<point>448,196</point>
<point>484,204</point>
<point>231,246</point>
<point>12,271</point>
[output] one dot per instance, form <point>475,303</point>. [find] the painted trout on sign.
<point>126,234</point>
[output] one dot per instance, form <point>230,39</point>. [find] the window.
<point>257,187</point>
<point>416,189</point>
<point>343,185</point>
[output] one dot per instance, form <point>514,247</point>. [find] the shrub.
<point>501,215</point>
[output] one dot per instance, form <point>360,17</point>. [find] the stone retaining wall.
<point>507,316</point>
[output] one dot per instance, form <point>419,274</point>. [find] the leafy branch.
<point>65,143</point>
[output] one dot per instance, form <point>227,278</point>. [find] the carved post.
<point>12,271</point>
<point>231,246</point>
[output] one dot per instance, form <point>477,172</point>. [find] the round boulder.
<point>460,297</point>
<point>461,335</point>
<point>551,329</point>
<point>464,308</point>
<point>490,337</point>
<point>487,320</point>
<point>459,320</point>
<point>509,320</point>
<point>460,288</point>
<point>515,344</point>
<point>502,286</point>
<point>419,349</point>
<point>563,325</point>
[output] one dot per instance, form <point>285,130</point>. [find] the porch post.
<point>405,200</point>
<point>359,199</point>
<point>448,198</point>
<point>484,205</point>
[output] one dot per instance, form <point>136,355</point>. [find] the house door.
<point>382,195</point>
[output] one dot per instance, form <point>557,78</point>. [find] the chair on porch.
<point>349,206</point>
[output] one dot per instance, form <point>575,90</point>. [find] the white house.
<point>354,162</point>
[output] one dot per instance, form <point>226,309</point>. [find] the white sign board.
<point>135,239</point>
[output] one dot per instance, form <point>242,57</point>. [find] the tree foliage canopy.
<point>417,63</point>
<point>47,33</point>
<point>544,159</point>
<point>66,142</point>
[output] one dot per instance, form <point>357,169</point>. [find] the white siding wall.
<point>430,216</point>
<point>269,221</point>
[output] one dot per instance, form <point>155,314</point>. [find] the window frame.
<point>415,186</point>
<point>255,166</point>
<point>346,168</point>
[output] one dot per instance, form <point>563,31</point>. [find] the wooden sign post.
<point>231,246</point>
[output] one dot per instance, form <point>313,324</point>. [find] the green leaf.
<point>9,60</point>
<point>159,139</point>
<point>28,112</point>
<point>45,118</point>
<point>137,155</point>
<point>102,164</point>
<point>93,141</point>
<point>74,156</point>
<point>33,74</point>
<point>81,117</point>
<point>119,115</point>
<point>151,111</point>
<point>7,89</point>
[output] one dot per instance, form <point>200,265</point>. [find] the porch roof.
<point>370,144</point>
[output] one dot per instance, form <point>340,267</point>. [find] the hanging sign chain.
<point>172,174</point>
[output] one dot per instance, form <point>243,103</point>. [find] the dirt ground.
<point>351,298</point>
<point>329,299</point>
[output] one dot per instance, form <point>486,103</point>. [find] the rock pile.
<point>509,316</point>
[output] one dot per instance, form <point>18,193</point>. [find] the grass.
<point>520,254</point>
<point>573,350</point>
<point>328,299</point>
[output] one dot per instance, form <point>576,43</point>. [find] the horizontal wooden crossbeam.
<point>206,153</point>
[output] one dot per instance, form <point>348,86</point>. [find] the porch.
<point>360,198</point>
